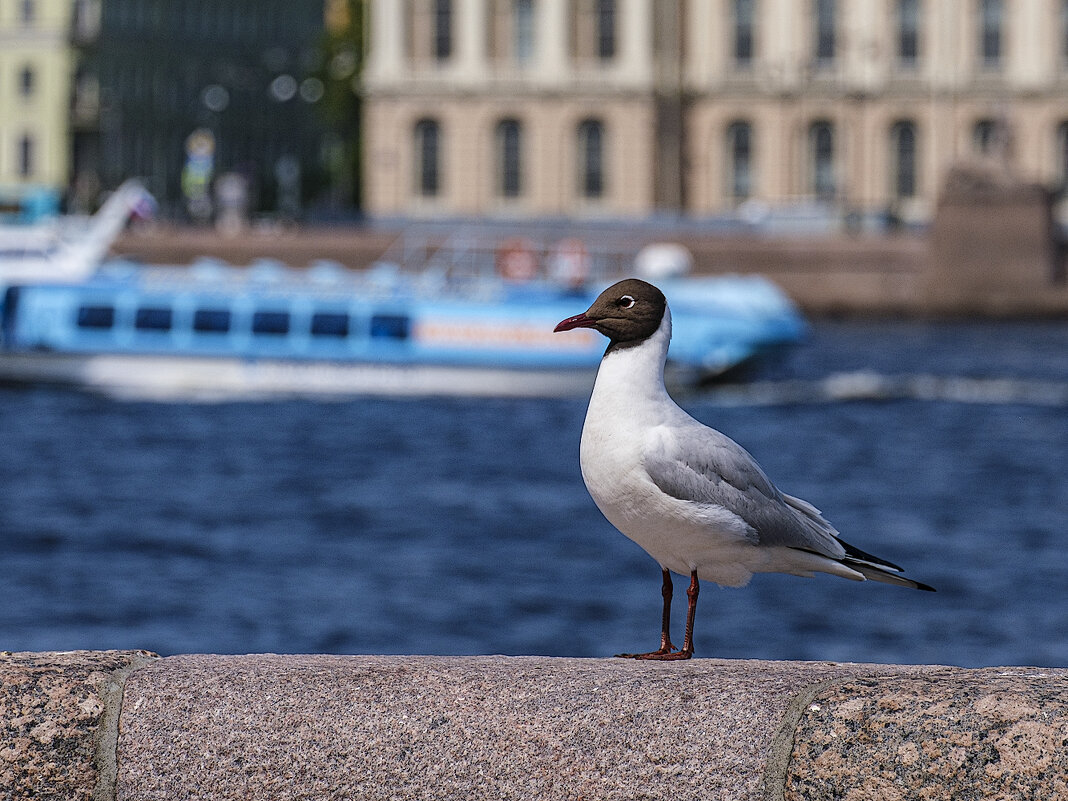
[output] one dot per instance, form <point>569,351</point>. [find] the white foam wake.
<point>866,385</point>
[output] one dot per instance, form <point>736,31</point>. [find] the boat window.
<point>215,321</point>
<point>270,322</point>
<point>390,326</point>
<point>96,316</point>
<point>153,319</point>
<point>329,324</point>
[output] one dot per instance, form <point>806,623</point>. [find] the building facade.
<point>706,108</point>
<point>35,86</point>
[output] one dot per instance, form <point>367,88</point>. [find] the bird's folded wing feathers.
<point>703,466</point>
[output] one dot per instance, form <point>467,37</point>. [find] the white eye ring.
<point>626,302</point>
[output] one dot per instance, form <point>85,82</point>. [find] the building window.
<point>908,32</point>
<point>987,137</point>
<point>593,29</point>
<point>524,31</point>
<point>591,158</point>
<point>740,160</point>
<point>991,20</point>
<point>903,158</point>
<point>821,159</point>
<point>428,157</point>
<point>27,12</point>
<point>27,81</point>
<point>824,34</point>
<point>509,158</point>
<point>606,29</point>
<point>442,29</point>
<point>25,157</point>
<point>744,19</point>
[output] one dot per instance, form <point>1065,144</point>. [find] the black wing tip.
<point>853,552</point>
<point>873,567</point>
<point>878,575</point>
<point>886,575</point>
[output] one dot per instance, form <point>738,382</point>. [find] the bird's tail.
<point>876,573</point>
<point>878,569</point>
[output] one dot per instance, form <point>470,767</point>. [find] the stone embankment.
<point>895,275</point>
<point>129,725</point>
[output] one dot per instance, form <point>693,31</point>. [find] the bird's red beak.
<point>578,321</point>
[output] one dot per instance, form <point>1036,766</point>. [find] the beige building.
<point>35,92</point>
<point>622,108</point>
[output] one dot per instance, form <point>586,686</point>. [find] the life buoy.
<point>516,260</point>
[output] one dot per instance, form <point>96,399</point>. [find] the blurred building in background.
<point>35,76</point>
<point>179,93</point>
<point>849,109</point>
<point>706,107</point>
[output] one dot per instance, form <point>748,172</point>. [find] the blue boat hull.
<point>718,323</point>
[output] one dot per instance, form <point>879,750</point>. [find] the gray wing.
<point>699,464</point>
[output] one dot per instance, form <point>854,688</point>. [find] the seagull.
<point>693,498</point>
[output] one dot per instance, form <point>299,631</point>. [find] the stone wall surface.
<point>58,714</point>
<point>407,727</point>
<point>998,733</point>
<point>465,728</point>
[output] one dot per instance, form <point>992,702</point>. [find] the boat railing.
<point>473,256</point>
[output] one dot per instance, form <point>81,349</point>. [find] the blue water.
<point>462,526</point>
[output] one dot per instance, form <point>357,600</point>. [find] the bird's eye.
<point>625,302</point>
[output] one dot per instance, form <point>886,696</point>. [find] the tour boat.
<point>211,330</point>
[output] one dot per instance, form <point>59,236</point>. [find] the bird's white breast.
<point>630,411</point>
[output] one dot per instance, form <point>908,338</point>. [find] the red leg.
<point>665,621</point>
<point>667,650</point>
<point>691,612</point>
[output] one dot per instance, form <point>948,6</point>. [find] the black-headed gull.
<point>693,498</point>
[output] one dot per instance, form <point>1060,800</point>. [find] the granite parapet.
<point>421,727</point>
<point>472,727</point>
<point>58,722</point>
<point>995,733</point>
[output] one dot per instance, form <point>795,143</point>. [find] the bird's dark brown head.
<point>628,312</point>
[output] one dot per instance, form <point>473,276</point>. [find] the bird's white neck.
<point>634,374</point>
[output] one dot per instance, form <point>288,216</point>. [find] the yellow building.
<point>35,92</point>
<point>706,107</point>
